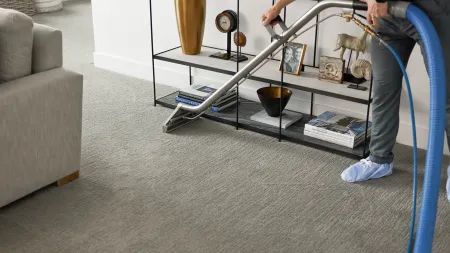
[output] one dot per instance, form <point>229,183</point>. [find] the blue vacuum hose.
<point>438,92</point>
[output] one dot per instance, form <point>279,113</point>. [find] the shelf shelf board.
<point>293,133</point>
<point>269,73</point>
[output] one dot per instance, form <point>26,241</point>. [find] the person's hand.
<point>375,10</point>
<point>270,14</point>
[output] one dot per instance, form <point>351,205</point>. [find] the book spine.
<point>334,140</point>
<point>319,135</point>
<point>329,139</point>
<point>337,136</point>
<point>221,100</point>
<point>334,135</point>
<point>203,98</point>
<point>186,101</point>
<point>187,94</point>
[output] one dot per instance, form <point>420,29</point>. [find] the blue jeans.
<point>387,86</point>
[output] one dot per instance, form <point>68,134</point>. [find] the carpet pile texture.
<point>205,188</point>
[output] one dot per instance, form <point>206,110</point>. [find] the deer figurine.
<point>346,41</point>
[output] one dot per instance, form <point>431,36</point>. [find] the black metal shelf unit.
<point>239,116</point>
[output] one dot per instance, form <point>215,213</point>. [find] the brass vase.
<point>191,24</point>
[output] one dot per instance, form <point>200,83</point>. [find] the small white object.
<point>47,5</point>
<point>289,118</point>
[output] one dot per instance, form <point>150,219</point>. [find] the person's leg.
<point>387,87</point>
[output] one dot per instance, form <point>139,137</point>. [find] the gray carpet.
<point>205,188</point>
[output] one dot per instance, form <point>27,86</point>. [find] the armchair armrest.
<point>47,48</point>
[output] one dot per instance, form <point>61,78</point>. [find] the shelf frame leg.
<point>153,54</point>
<point>237,69</point>
<point>190,76</point>
<point>315,41</point>
<point>281,93</point>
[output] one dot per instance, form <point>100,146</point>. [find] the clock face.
<point>225,23</point>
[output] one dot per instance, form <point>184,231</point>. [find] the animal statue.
<point>346,41</point>
<point>361,68</point>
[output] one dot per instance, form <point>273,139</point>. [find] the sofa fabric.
<point>47,48</point>
<point>40,129</point>
<point>40,108</point>
<point>16,42</point>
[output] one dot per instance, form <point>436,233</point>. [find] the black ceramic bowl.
<point>270,99</point>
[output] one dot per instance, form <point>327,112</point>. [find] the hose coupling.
<point>366,28</point>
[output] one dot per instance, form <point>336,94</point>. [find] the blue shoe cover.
<point>448,183</point>
<point>366,170</point>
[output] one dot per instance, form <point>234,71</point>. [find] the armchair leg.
<point>68,179</point>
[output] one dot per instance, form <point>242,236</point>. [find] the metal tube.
<point>153,53</point>
<point>314,11</point>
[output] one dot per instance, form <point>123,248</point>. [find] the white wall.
<point>123,44</point>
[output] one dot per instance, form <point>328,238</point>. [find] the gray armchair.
<point>40,109</point>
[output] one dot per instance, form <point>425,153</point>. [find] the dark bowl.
<point>270,99</point>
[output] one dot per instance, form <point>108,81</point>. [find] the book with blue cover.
<point>202,92</point>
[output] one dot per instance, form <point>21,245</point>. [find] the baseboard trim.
<point>140,70</point>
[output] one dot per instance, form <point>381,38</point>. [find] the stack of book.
<point>338,129</point>
<point>197,94</point>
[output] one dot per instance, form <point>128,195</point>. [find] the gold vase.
<point>191,24</point>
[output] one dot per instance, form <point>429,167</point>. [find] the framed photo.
<point>294,53</point>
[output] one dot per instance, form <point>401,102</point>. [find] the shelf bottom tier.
<point>293,133</point>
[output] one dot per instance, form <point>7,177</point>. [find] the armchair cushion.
<point>16,43</point>
<point>47,48</point>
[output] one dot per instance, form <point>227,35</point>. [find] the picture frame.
<point>293,57</point>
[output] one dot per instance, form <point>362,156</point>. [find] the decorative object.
<point>331,69</point>
<point>270,99</point>
<point>43,6</point>
<point>294,53</point>
<point>24,6</point>
<point>345,41</point>
<point>361,68</point>
<point>226,22</point>
<point>191,24</point>
<point>240,40</point>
